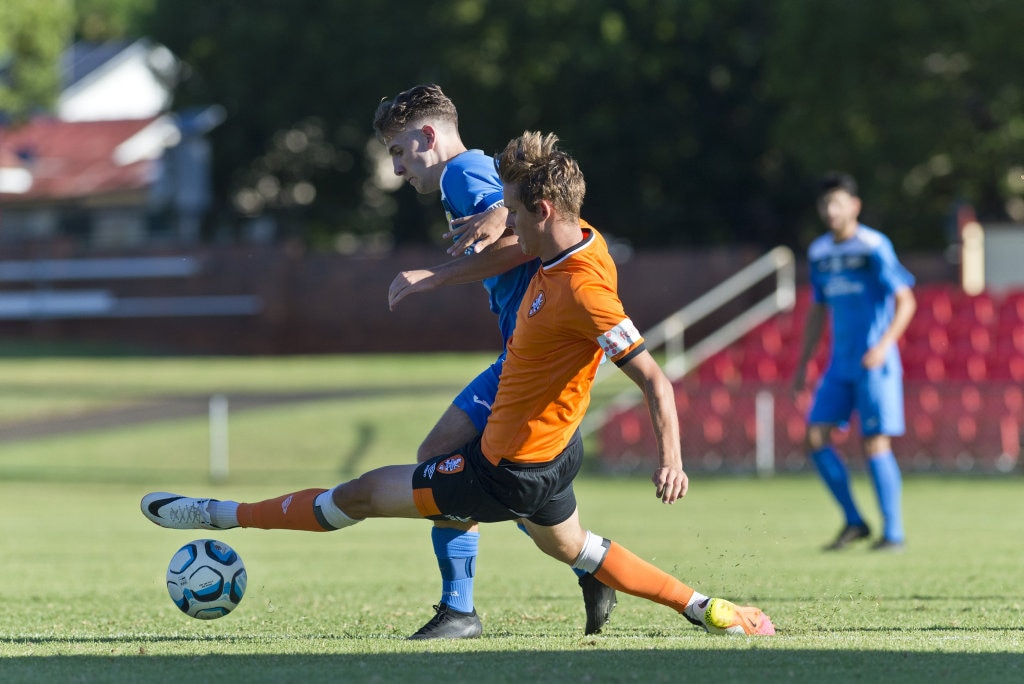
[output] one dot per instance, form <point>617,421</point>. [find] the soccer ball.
<point>206,579</point>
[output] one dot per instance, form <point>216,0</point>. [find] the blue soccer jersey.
<point>857,279</point>
<point>470,185</point>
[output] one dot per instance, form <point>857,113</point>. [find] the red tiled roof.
<point>71,160</point>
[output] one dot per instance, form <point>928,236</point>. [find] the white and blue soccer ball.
<point>206,579</point>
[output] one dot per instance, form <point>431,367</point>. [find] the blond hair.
<point>541,171</point>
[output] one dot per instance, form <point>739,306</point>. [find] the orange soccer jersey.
<point>569,317</point>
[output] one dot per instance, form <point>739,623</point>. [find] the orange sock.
<point>289,512</point>
<point>624,571</point>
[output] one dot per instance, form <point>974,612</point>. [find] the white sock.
<point>595,548</point>
<point>697,606</point>
<point>330,511</point>
<point>223,514</point>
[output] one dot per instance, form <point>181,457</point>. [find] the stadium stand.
<point>963,362</point>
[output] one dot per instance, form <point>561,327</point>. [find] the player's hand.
<point>874,357</point>
<point>407,283</point>
<point>473,233</point>
<point>670,484</point>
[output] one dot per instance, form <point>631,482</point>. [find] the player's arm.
<point>472,234</point>
<point>670,481</point>
<point>813,327</point>
<point>501,256</point>
<point>906,305</point>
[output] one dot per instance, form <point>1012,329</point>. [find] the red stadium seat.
<point>934,368</point>
<point>760,368</point>
<point>1011,368</point>
<point>928,400</point>
<point>721,401</point>
<point>967,365</point>
<point>938,340</point>
<point>935,304</point>
<point>721,369</point>
<point>1013,400</point>
<point>970,399</point>
<point>979,308</point>
<point>1011,311</point>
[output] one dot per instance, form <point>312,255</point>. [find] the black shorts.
<point>463,485</point>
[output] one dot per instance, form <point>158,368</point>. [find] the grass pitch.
<point>83,597</point>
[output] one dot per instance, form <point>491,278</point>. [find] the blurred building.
<point>113,166</point>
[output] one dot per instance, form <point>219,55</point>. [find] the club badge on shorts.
<point>451,465</point>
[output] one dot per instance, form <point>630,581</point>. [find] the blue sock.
<point>885,473</point>
<point>456,557</point>
<point>522,528</point>
<point>833,472</point>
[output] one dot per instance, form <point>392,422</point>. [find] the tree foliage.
<point>919,99</point>
<point>705,121</point>
<point>32,37</point>
<point>101,20</point>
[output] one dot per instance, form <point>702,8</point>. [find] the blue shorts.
<point>478,396</point>
<point>877,397</point>
<point>464,485</point>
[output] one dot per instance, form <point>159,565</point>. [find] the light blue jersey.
<point>857,279</point>
<point>470,185</point>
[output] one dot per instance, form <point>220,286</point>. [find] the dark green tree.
<point>32,37</point>
<point>921,100</point>
<point>697,122</point>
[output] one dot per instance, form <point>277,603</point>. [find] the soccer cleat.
<point>848,534</point>
<point>725,617</point>
<point>448,623</point>
<point>178,512</point>
<point>890,545</point>
<point>599,600</point>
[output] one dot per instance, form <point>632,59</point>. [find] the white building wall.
<point>124,88</point>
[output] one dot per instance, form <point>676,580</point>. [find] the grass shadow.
<point>754,662</point>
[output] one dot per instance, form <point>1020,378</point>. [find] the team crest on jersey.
<point>538,302</point>
<point>451,465</point>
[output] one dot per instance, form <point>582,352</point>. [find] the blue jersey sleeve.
<point>892,275</point>
<point>470,185</point>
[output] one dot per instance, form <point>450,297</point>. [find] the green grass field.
<point>83,598</point>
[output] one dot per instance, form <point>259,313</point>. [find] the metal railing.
<point>45,303</point>
<point>779,262</point>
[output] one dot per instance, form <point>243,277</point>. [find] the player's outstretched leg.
<point>617,567</point>
<point>178,512</point>
<point>312,510</point>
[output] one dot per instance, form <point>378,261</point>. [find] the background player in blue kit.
<point>855,276</point>
<point>420,129</point>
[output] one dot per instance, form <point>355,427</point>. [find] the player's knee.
<point>876,445</point>
<point>562,545</point>
<point>354,497</point>
<point>559,552</point>
<point>816,438</point>
<point>424,453</point>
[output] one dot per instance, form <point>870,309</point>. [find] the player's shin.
<point>622,570</point>
<point>312,510</point>
<point>456,551</point>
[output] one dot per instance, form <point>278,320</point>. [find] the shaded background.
<point>697,122</point>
